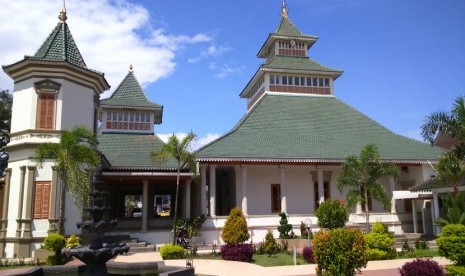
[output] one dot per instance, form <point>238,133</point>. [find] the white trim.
<point>292,94</point>
<point>288,160</point>
<point>145,174</point>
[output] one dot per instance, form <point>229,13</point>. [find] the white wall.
<point>75,106</point>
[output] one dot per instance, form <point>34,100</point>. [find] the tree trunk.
<point>176,206</point>
<point>61,217</point>
<point>367,211</point>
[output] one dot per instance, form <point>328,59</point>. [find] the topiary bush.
<point>340,251</point>
<point>239,252</point>
<point>455,270</point>
<point>271,247</point>
<point>172,252</point>
<point>307,255</point>
<point>284,227</point>
<point>332,214</point>
<point>55,243</point>
<point>423,267</point>
<point>380,243</point>
<point>235,229</point>
<point>451,243</point>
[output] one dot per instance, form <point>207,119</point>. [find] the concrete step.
<point>136,244</point>
<point>148,248</point>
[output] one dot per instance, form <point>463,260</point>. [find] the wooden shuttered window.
<point>46,111</point>
<point>275,198</point>
<point>42,200</point>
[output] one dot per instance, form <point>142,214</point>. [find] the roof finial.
<point>284,10</point>
<point>62,15</point>
<point>130,68</point>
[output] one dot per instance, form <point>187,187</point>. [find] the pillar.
<point>53,220</point>
<point>435,213</point>
<point>19,224</point>
<point>4,218</point>
<point>358,209</point>
<point>244,190</point>
<point>29,201</point>
<point>392,185</point>
<point>203,189</point>
<point>283,189</point>
<point>415,219</point>
<point>321,188</point>
<point>187,198</point>
<point>145,204</point>
<point>212,190</point>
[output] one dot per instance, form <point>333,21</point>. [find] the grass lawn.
<point>418,253</point>
<point>276,259</point>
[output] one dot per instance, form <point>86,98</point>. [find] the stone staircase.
<point>411,238</point>
<point>134,243</point>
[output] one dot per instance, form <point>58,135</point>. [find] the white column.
<point>187,198</point>
<point>283,189</point>
<point>321,188</point>
<point>358,209</point>
<point>244,190</point>
<point>392,185</point>
<point>415,219</point>
<point>145,204</point>
<point>203,189</point>
<point>212,190</point>
<point>435,213</point>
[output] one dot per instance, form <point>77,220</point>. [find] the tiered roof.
<point>310,129</point>
<point>129,95</point>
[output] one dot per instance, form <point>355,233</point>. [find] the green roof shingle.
<point>129,94</point>
<point>132,151</point>
<point>60,46</point>
<point>286,28</point>
<point>298,63</point>
<point>311,128</point>
<point>435,184</point>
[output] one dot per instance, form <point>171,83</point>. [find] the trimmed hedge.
<point>380,243</point>
<point>423,267</point>
<point>332,214</point>
<point>340,251</point>
<point>239,252</point>
<point>172,252</point>
<point>455,270</point>
<point>270,245</point>
<point>235,228</point>
<point>451,243</point>
<point>55,243</point>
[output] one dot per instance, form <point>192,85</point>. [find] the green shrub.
<point>271,247</point>
<point>332,214</point>
<point>73,241</point>
<point>284,227</point>
<point>455,270</point>
<point>171,252</point>
<point>235,229</point>
<point>55,243</point>
<point>339,251</point>
<point>451,243</point>
<point>380,243</point>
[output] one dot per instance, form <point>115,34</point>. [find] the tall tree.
<point>6,101</point>
<point>451,124</point>
<point>361,176</point>
<point>451,169</point>
<point>75,156</point>
<point>178,149</point>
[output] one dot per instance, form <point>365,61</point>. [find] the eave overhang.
<point>263,53</point>
<point>34,68</point>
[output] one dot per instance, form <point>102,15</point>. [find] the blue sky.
<point>402,60</point>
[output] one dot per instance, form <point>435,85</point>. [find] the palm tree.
<point>455,206</point>
<point>451,124</point>
<point>74,156</point>
<point>361,175</point>
<point>178,149</point>
<point>450,168</point>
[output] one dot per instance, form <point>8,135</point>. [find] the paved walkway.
<point>226,268</point>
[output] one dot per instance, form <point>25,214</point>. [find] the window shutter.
<point>50,112</point>
<point>45,200</point>
<point>42,199</point>
<point>46,111</point>
<point>38,201</point>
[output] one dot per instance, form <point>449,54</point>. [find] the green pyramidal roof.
<point>60,46</point>
<point>132,151</point>
<point>299,63</point>
<point>286,28</point>
<point>130,94</point>
<point>307,128</point>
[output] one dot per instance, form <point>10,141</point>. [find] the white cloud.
<point>111,35</point>
<point>198,143</point>
<point>212,51</point>
<point>227,70</point>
